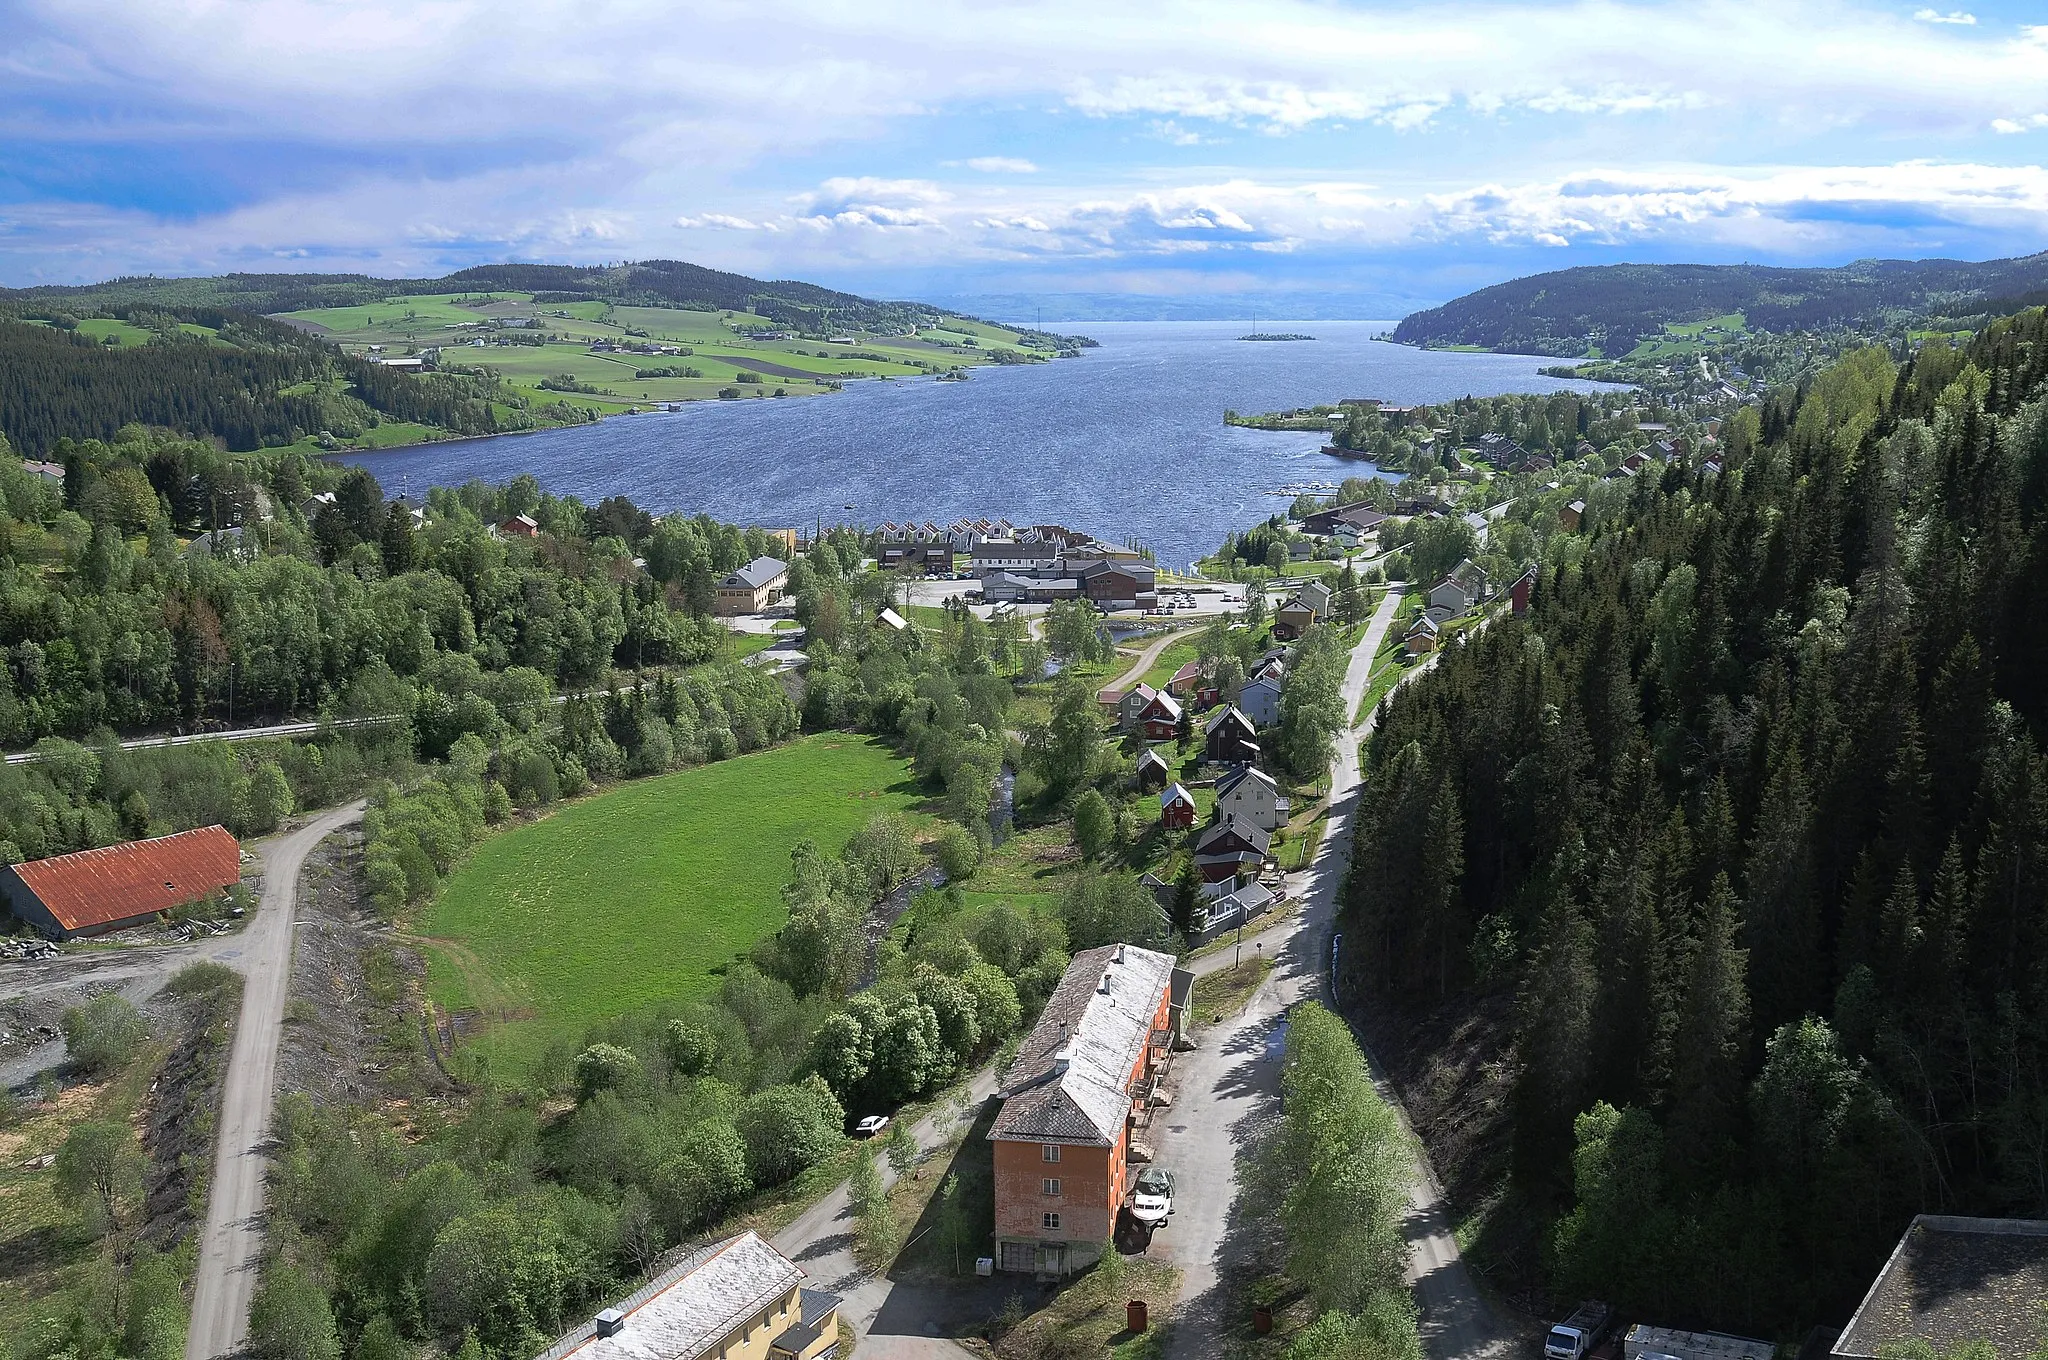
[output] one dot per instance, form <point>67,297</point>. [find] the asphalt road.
<point>232,1248</point>
<point>1227,1095</point>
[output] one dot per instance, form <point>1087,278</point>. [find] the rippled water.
<point>1126,441</point>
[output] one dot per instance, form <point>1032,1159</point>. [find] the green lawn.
<point>644,893</point>
<point>1172,659</point>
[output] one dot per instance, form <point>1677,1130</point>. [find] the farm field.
<point>644,893</point>
<point>720,361</point>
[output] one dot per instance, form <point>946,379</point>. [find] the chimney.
<point>1118,956</point>
<point>1062,1059</point>
<point>610,1322</point>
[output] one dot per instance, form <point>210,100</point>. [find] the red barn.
<point>91,892</point>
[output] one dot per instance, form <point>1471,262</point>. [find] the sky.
<point>1369,157</point>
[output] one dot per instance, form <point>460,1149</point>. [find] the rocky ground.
<point>351,1033</point>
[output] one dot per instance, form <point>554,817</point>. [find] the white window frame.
<point>1051,1222</point>
<point>1050,1186</point>
<point>1048,1152</point>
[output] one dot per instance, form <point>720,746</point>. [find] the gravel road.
<point>232,1247</point>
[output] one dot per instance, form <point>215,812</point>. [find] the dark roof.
<point>1239,775</point>
<point>1229,711</point>
<point>1252,834</point>
<point>815,1309</point>
<point>1152,757</point>
<point>123,882</point>
<point>1952,1280</point>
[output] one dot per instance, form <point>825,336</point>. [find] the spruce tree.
<point>1710,1047</point>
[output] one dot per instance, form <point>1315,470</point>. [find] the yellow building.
<point>739,1299</point>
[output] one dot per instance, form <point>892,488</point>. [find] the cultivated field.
<point>645,893</point>
<point>721,359</point>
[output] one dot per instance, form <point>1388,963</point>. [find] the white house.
<point>1252,795</point>
<point>1260,700</point>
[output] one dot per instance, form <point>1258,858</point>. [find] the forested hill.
<point>655,283</point>
<point>1573,312</point>
<point>1737,849</point>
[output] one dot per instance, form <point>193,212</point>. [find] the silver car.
<point>1152,1197</point>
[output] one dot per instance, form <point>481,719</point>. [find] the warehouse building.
<point>91,892</point>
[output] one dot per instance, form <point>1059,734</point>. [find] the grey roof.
<point>1175,793</point>
<point>1251,833</point>
<point>757,573</point>
<point>1151,757</point>
<point>689,1308</point>
<point>1952,1280</point>
<point>814,1310</point>
<point>1068,1084</point>
<point>1237,776</point>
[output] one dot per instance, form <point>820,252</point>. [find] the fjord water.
<point>1126,441</point>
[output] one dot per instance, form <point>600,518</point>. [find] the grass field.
<point>644,893</point>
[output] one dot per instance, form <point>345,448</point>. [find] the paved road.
<point>1226,1098</point>
<point>290,729</point>
<point>232,1248</point>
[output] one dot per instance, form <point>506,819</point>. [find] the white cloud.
<point>1935,16</point>
<point>2012,125</point>
<point>999,165</point>
<point>720,221</point>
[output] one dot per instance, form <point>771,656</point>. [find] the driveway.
<point>231,1250</point>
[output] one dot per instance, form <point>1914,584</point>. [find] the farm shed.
<point>91,892</point>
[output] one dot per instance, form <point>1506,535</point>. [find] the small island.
<point>1276,335</point>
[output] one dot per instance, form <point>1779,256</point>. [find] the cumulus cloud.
<point>1000,165</point>
<point>1935,16</point>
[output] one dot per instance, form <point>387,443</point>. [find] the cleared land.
<point>645,893</point>
<point>470,330</point>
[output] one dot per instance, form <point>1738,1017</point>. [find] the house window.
<point>1050,1185</point>
<point>1052,1222</point>
<point>1049,1151</point>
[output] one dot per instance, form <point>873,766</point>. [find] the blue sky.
<point>1374,156</point>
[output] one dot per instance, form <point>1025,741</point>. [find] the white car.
<point>871,1125</point>
<point>1152,1198</point>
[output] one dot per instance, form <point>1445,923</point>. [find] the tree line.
<point>1749,818</point>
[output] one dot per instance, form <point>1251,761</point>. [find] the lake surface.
<point>1126,442</point>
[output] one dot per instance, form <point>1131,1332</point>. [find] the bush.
<point>102,1035</point>
<point>202,977</point>
<point>604,1067</point>
<point>958,852</point>
<point>1094,824</point>
<point>788,1129</point>
<point>100,1167</point>
<point>290,1318</point>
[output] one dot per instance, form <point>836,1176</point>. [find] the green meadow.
<point>644,893</point>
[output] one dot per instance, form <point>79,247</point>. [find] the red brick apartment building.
<point>1071,1101</point>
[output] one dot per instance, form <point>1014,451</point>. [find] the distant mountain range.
<point>1572,312</point>
<point>652,283</point>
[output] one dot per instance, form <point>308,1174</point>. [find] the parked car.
<point>871,1125</point>
<point>1152,1198</point>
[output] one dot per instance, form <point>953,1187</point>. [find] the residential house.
<point>1359,516</point>
<point>315,503</point>
<point>1159,719</point>
<point>1317,595</point>
<point>49,472</point>
<point>1571,516</point>
<point>1260,699</point>
<point>1633,462</point>
<point>1072,1102</point>
<point>1186,681</point>
<point>736,1299</point>
<point>1464,587</point>
<point>1499,451</point>
<point>933,559</point>
<point>1227,906</point>
<point>1230,738</point>
<point>1293,617</point>
<point>1251,794</point>
<point>1232,849</point>
<point>1521,590</point>
<point>1176,808</point>
<point>1584,449</point>
<point>1953,1282</point>
<point>520,526</point>
<point>1422,635</point>
<point>893,621</point>
<point>1131,703</point>
<point>756,587</point>
<point>90,892</point>
<point>1153,771</point>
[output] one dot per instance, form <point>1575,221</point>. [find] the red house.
<point>1159,719</point>
<point>1519,592</point>
<point>1176,808</point>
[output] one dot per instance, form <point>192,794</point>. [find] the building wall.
<point>750,1340</point>
<point>1093,1180</point>
<point>729,601</point>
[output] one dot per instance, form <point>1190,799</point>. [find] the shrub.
<point>290,1318</point>
<point>604,1067</point>
<point>102,1035</point>
<point>787,1129</point>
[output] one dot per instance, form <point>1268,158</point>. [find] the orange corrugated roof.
<point>118,882</point>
